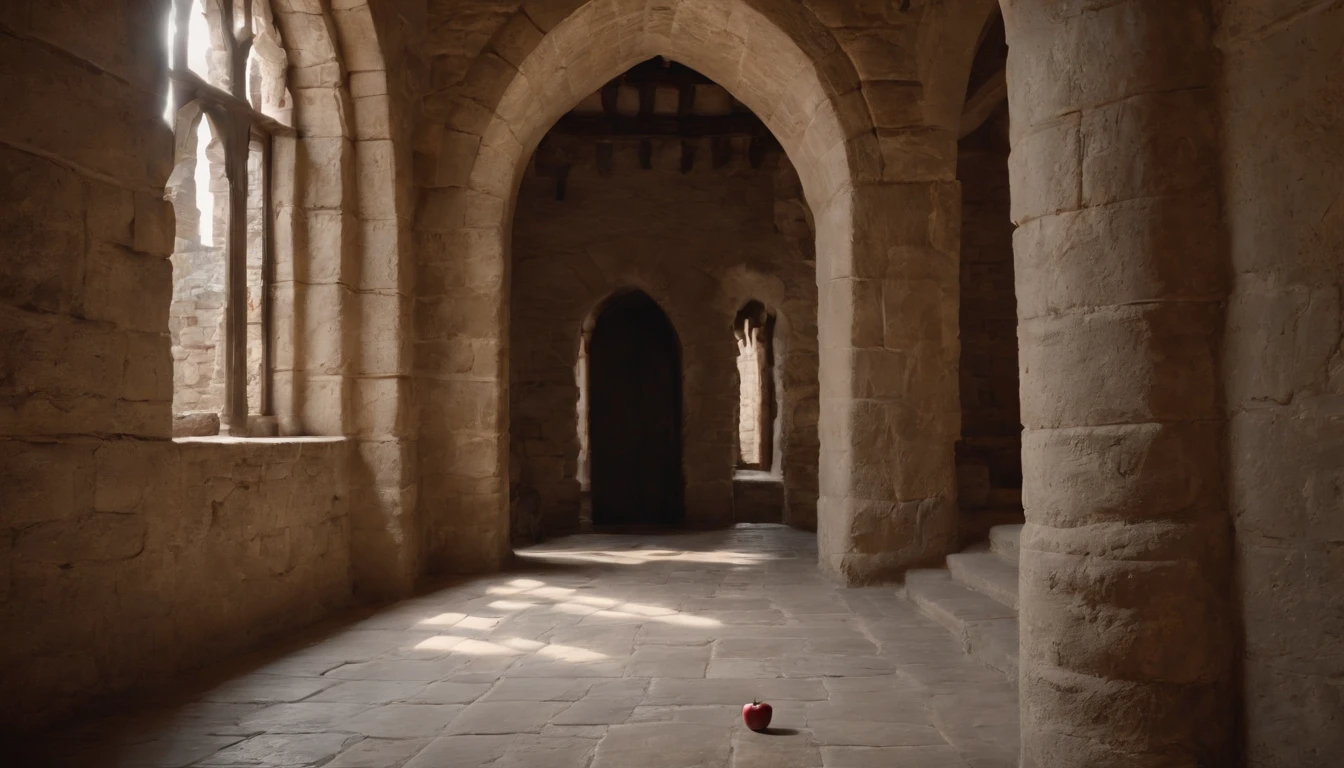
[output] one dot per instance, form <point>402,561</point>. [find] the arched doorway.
<point>634,414</point>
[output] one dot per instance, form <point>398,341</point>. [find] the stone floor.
<point>597,652</point>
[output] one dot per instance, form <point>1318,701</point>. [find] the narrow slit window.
<point>753,329</point>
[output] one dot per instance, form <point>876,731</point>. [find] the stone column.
<point>1126,641</point>
<point>887,313</point>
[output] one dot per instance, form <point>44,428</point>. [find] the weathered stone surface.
<point>149,538</point>
<point>1282,375</point>
<point>664,744</point>
<point>196,424</point>
<point>1129,378</point>
<point>302,692</point>
<point>1175,297</point>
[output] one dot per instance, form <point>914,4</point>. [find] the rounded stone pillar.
<point>1126,640</point>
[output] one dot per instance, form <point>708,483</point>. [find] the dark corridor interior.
<point>635,415</point>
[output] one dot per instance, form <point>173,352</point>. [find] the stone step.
<point>986,573</point>
<point>1005,541</point>
<point>985,628</point>
<point>975,523</point>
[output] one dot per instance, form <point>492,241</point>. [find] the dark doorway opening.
<point>634,415</point>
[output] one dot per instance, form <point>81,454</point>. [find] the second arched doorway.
<point>634,415</point>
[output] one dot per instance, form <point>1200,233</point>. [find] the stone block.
<point>1114,473</point>
<point>323,328</point>
<point>451,209</point>
<point>664,745</point>
<point>359,38</point>
<point>1158,365</point>
<point>195,424</point>
<point>1155,145</point>
<point>384,189</point>
<point>917,154</point>
<point>322,113</point>
<point>481,358</point>
<point>459,313</point>
<point>1101,256</point>
<point>473,455</point>
<point>382,406</point>
<point>372,118</point>
<point>122,482</point>
<point>1099,613</point>
<point>384,249</point>
<point>328,165</point>
<point>1282,706</point>
<point>325,74</point>
<point>454,158</point>
<point>882,53</point>
<point>895,104</point>
<point>1286,472</point>
<point>110,36</point>
<point>109,214</point>
<point>1131,49</point>
<point>154,226</point>
<point>384,546</point>
<point>368,83</point>
<point>386,332</point>
<point>850,313</point>
<point>323,405</point>
<point>96,537</point>
<point>1280,337</point>
<point>43,223</point>
<point>1161,712</point>
<point>468,258</point>
<point>912,315</point>
<point>118,284</point>
<point>1047,169</point>
<point>1286,605</point>
<point>45,481</point>
<point>384,464</point>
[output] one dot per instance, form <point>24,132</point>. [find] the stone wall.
<point>989,456</point>
<point>123,555</point>
<point>1283,118</point>
<point>127,560</point>
<point>702,244</point>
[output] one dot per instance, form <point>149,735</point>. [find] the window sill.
<point>756,476</point>
<point>235,440</point>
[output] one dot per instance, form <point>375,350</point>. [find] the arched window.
<point>228,102</point>
<point>753,328</point>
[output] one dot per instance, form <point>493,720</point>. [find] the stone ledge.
<point>232,440</point>
<point>756,476</point>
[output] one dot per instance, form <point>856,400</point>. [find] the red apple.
<point>757,715</point>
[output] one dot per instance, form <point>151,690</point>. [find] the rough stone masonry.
<point>1175,325</point>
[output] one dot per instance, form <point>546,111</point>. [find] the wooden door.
<point>634,412</point>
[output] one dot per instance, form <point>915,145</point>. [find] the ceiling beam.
<point>656,126</point>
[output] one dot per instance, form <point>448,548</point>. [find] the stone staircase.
<point>975,598</point>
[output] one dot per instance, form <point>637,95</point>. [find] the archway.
<point>634,415</point>
<point>887,301</point>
